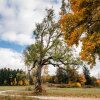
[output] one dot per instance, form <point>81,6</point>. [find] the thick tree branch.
<point>34,64</point>
<point>56,65</point>
<point>73,63</point>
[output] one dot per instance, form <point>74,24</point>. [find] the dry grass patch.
<point>16,98</point>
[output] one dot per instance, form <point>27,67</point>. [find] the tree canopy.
<point>82,23</point>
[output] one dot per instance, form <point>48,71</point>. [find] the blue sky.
<point>18,19</point>
<point>16,47</point>
<point>17,22</point>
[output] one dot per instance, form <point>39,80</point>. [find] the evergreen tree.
<point>87,76</point>
<point>61,76</point>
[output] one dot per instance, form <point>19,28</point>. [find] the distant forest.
<point>71,77</point>
<point>13,77</point>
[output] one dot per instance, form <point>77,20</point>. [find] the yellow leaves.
<point>74,37</point>
<point>74,5</point>
<point>77,5</point>
<point>68,22</point>
<point>84,18</point>
<point>89,48</point>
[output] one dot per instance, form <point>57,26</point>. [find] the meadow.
<point>52,91</point>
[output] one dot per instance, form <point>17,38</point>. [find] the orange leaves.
<point>68,22</point>
<point>74,37</point>
<point>68,27</point>
<point>77,5</point>
<point>84,18</point>
<point>88,51</point>
<point>90,47</point>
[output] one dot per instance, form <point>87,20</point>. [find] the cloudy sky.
<point>17,22</point>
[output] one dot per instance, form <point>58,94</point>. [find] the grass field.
<point>75,92</point>
<point>3,88</point>
<point>15,98</point>
<point>51,91</point>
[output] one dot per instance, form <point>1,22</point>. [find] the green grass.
<point>75,92</point>
<point>3,88</point>
<point>15,98</point>
<point>52,91</point>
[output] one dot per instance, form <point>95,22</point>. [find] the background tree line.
<point>13,77</point>
<point>70,77</point>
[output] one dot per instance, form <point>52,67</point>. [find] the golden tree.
<point>82,23</point>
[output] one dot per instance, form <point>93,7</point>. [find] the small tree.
<point>14,81</point>
<point>72,74</point>
<point>61,76</point>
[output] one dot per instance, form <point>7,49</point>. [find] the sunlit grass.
<point>52,91</point>
<point>16,98</point>
<point>76,92</point>
<point>3,88</point>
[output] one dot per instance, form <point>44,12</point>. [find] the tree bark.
<point>38,87</point>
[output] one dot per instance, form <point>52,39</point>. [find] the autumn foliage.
<point>82,23</point>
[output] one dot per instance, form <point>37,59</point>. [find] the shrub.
<point>25,82</point>
<point>81,79</point>
<point>20,83</point>
<point>77,84</point>
<point>98,83</point>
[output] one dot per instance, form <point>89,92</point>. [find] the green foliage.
<point>14,77</point>
<point>5,82</point>
<point>61,76</point>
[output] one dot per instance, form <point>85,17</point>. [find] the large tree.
<point>49,48</point>
<point>82,23</point>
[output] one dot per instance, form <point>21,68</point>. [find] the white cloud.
<point>17,21</point>
<point>17,38</point>
<point>18,18</point>
<point>11,59</point>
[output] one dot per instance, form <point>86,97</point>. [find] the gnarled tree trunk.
<point>38,87</point>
